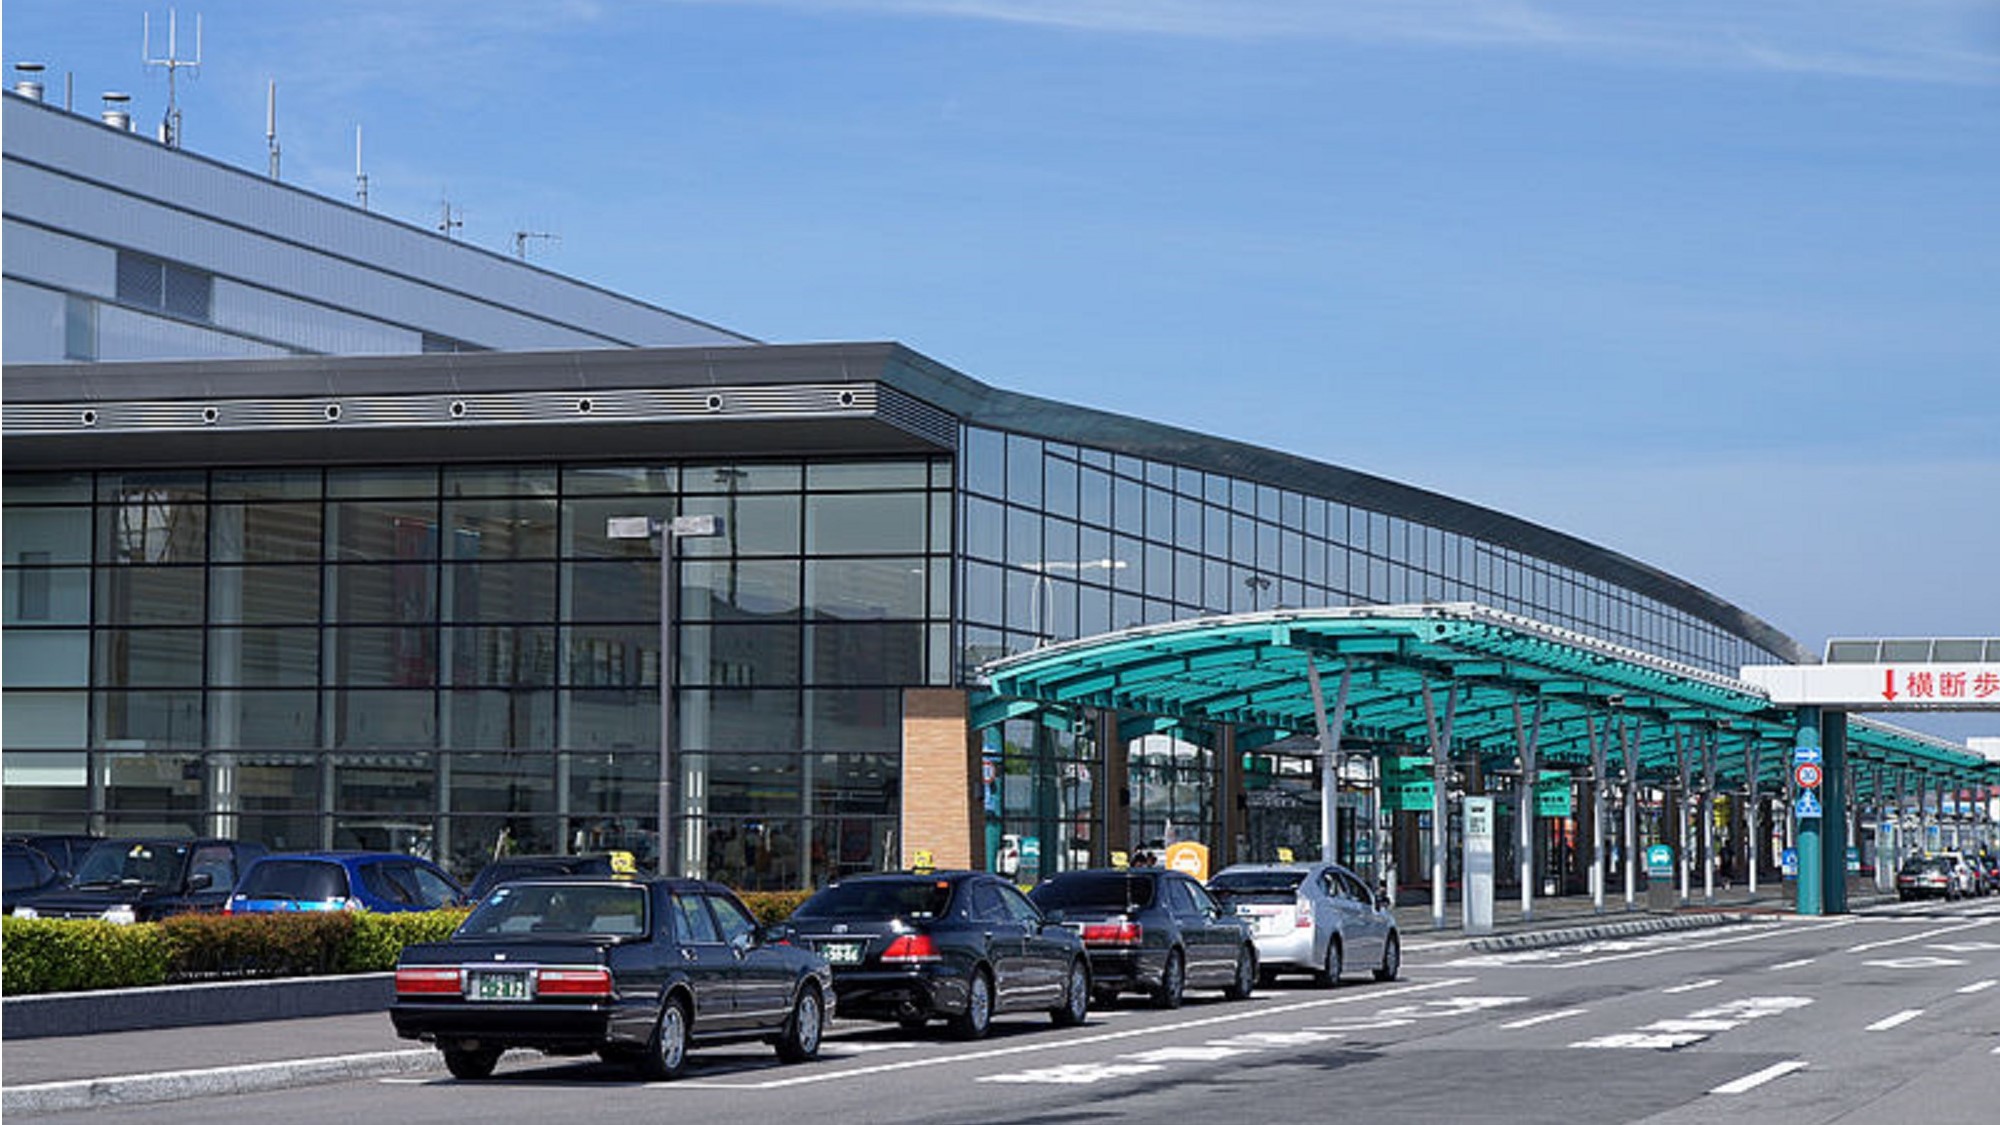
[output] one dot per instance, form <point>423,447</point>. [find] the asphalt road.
<point>1886,1016</point>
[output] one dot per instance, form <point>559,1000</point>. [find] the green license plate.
<point>501,986</point>
<point>841,952</point>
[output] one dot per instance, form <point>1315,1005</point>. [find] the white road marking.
<point>1188,1054</point>
<point>1967,946</point>
<point>1633,1040</point>
<point>1897,1020</point>
<point>1751,1007</point>
<point>1706,1027</point>
<point>1920,961</point>
<point>832,1046</point>
<point>1873,945</point>
<point>1692,986</point>
<point>1979,986</point>
<point>1273,1039</point>
<point>1066,1043</point>
<point>1666,1035</point>
<point>1794,964</point>
<point>1076,1074</point>
<point>1773,930</point>
<point>1752,1081</point>
<point>1545,1017</point>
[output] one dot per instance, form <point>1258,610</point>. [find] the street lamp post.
<point>671,532</point>
<point>1038,620</point>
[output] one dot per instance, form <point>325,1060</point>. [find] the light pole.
<point>671,532</point>
<point>1037,618</point>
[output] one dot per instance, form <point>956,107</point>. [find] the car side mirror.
<point>1053,917</point>
<point>776,933</point>
<point>200,881</point>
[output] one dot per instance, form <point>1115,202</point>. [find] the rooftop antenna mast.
<point>360,177</point>
<point>521,238</point>
<point>271,125</point>
<point>449,218</point>
<point>170,126</point>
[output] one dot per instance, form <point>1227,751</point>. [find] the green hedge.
<point>55,955</point>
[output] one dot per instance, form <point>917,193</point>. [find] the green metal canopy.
<point>1488,667</point>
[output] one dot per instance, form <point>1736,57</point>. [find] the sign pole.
<point>1806,813</point>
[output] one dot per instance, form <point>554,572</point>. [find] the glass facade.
<point>454,659</point>
<point>1060,541</point>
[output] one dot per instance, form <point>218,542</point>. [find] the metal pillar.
<point>1597,872</point>
<point>1756,847</point>
<point>1707,813</point>
<point>1834,800</point>
<point>1630,745</point>
<point>1329,754</point>
<point>1526,743</point>
<point>1440,736</point>
<point>1682,754</point>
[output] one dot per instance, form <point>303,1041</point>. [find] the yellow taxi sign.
<point>623,864</point>
<point>1284,855</point>
<point>924,863</point>
<point>1121,860</point>
<point>1189,858</point>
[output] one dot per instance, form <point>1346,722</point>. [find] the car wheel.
<point>666,1056</point>
<point>1172,988</point>
<point>1392,959</point>
<point>471,1063</point>
<point>799,1042</point>
<point>978,1014</point>
<point>1246,975</point>
<point>1329,972</point>
<point>1076,998</point>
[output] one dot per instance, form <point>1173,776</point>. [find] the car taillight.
<point>427,982</point>
<point>911,949</point>
<point>1302,915</point>
<point>1113,933</point>
<point>573,982</point>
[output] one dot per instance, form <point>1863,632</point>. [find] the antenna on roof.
<point>360,177</point>
<point>170,126</point>
<point>271,125</point>
<point>521,238</point>
<point>449,218</point>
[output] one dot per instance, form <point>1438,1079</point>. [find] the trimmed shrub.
<point>52,955</point>
<point>306,943</point>
<point>377,939</point>
<point>773,906</point>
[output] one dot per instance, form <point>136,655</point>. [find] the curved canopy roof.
<point>1490,668</point>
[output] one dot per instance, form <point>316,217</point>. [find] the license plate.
<point>841,952</point>
<point>501,986</point>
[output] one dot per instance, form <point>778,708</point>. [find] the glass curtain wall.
<point>458,661</point>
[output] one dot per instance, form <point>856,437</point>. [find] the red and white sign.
<point>1807,775</point>
<point>1881,687</point>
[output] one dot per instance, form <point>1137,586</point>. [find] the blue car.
<point>382,881</point>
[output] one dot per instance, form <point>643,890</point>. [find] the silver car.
<point>1317,918</point>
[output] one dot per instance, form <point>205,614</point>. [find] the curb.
<point>137,1089</point>
<point>195,1005</point>
<point>1543,939</point>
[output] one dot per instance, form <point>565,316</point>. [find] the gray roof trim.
<point>920,380</point>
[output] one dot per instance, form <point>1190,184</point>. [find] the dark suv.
<point>144,879</point>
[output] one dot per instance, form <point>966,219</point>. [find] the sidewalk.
<point>130,1067</point>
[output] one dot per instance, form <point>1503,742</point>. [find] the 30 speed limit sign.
<point>1807,775</point>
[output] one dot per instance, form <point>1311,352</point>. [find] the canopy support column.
<point>1630,745</point>
<point>1526,743</point>
<point>1680,802</point>
<point>1329,753</point>
<point>1597,872</point>
<point>1440,736</point>
<point>1755,845</point>
<point>1707,806</point>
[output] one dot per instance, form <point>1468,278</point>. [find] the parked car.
<point>960,946</point>
<point>64,849</point>
<point>144,879</point>
<point>382,881</point>
<point>1151,930</point>
<point>1963,874</point>
<point>637,970</point>
<point>1317,918</point>
<point>511,867</point>
<point>1927,876</point>
<point>28,872</point>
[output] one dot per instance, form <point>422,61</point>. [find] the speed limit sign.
<point>1807,775</point>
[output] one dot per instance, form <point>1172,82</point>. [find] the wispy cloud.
<point>1955,41</point>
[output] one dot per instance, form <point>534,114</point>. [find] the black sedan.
<point>956,945</point>
<point>1154,931</point>
<point>635,970</point>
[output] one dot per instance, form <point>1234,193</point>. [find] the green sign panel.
<point>1403,796</point>
<point>1552,795</point>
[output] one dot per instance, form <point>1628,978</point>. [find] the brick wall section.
<point>940,775</point>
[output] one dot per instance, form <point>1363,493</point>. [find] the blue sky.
<point>1715,284</point>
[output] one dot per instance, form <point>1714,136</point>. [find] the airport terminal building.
<point>309,539</point>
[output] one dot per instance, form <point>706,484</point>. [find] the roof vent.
<point>116,114</point>
<point>29,84</point>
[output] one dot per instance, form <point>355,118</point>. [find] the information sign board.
<point>1660,861</point>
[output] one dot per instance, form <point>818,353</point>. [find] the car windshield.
<point>299,880</point>
<point>1257,882</point>
<point>559,908</point>
<point>142,863</point>
<point>1083,890</point>
<point>880,898</point>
